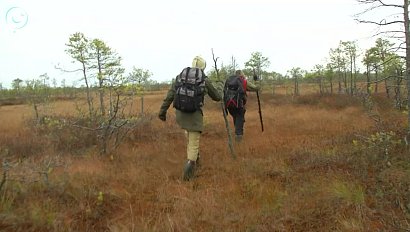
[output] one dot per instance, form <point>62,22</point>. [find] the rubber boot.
<point>189,170</point>
<point>238,138</point>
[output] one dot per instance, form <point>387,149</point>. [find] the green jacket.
<point>251,87</point>
<point>191,121</point>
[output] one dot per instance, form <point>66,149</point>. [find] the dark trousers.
<point>238,116</point>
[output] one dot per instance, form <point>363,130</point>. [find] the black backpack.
<point>234,93</point>
<point>189,90</point>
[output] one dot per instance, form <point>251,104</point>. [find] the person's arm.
<point>214,89</point>
<point>251,87</point>
<point>167,102</point>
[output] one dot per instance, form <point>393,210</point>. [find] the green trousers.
<point>193,144</point>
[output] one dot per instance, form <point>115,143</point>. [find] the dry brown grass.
<point>301,174</point>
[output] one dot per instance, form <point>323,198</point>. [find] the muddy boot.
<point>238,138</point>
<point>189,170</point>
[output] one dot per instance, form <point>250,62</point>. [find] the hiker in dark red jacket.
<point>235,98</point>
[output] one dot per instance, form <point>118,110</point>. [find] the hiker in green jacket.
<point>187,95</point>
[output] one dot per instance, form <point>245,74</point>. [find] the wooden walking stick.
<point>228,130</point>
<point>255,78</point>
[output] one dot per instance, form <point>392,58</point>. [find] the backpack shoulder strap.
<point>187,73</point>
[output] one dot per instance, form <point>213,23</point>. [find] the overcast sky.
<point>163,35</point>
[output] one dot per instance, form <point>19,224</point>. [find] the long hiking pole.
<point>228,130</point>
<point>255,78</point>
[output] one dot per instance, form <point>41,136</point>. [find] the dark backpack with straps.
<point>189,90</point>
<point>234,93</point>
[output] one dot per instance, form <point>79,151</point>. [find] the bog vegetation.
<point>325,162</point>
